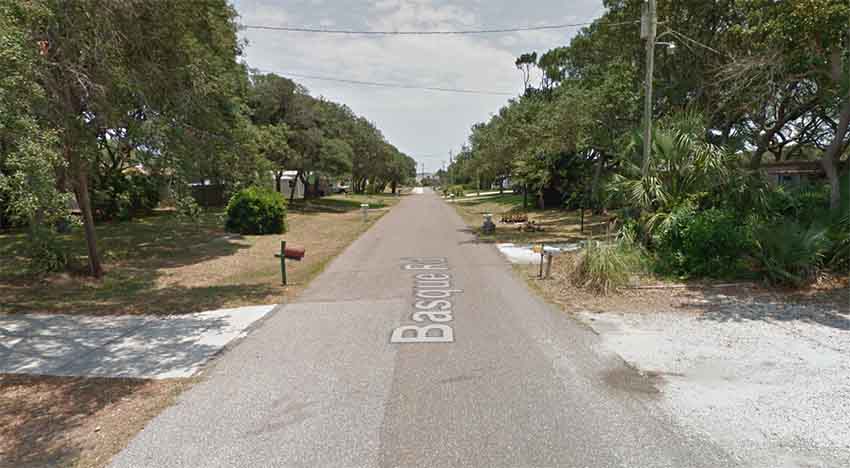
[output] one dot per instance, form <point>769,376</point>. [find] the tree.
<point>525,63</point>
<point>28,156</point>
<point>103,63</point>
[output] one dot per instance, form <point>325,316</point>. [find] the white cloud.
<point>418,122</point>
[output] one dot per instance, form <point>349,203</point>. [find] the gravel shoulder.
<point>763,373</point>
<point>773,391</point>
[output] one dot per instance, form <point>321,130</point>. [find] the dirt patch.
<point>556,225</point>
<point>72,421</point>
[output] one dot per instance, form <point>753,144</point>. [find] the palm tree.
<point>683,165</point>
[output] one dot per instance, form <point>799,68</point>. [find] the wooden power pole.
<point>649,24</point>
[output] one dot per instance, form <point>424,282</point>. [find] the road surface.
<point>505,380</point>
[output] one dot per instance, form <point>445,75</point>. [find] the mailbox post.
<point>292,253</point>
<point>283,262</point>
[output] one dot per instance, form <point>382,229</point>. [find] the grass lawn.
<point>558,225</point>
<point>162,265</point>
<point>154,265</point>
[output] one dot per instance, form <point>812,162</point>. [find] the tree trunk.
<point>277,177</point>
<point>394,186</point>
<point>316,188</point>
<point>293,185</point>
<point>833,152</point>
<point>525,197</point>
<point>831,155</point>
<point>84,200</point>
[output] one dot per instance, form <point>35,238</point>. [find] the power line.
<point>428,33</point>
<point>394,85</point>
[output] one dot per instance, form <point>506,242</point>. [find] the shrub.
<point>789,253</point>
<point>188,208</point>
<point>256,210</point>
<point>457,190</point>
<point>839,235</point>
<point>144,193</point>
<point>712,243</point>
<point>125,196</point>
<point>604,267</point>
<point>46,253</point>
<point>806,203</point>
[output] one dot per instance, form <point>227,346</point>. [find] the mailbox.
<point>291,253</point>
<point>294,253</point>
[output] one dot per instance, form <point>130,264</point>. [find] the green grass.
<point>159,236</point>
<point>343,203</point>
<point>164,265</point>
<point>605,267</point>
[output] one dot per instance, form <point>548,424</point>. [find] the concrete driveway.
<point>419,347</point>
<point>119,346</point>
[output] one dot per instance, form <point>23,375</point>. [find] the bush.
<point>45,252</point>
<point>604,267</point>
<point>188,208</point>
<point>125,196</point>
<point>789,253</point>
<point>806,203</point>
<point>839,235</point>
<point>457,190</point>
<point>256,211</point>
<point>712,243</point>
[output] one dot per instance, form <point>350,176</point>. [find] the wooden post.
<point>283,262</point>
<point>548,265</point>
<point>582,218</point>
<point>542,250</point>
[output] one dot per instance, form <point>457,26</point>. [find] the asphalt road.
<point>320,384</point>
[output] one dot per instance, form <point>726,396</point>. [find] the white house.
<point>286,184</point>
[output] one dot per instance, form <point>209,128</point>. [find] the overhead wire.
<point>392,85</point>
<point>303,29</point>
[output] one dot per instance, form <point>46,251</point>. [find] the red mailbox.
<point>294,253</point>
<point>291,253</point>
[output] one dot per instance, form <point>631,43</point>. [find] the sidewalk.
<point>119,346</point>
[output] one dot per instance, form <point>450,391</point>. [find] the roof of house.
<point>796,167</point>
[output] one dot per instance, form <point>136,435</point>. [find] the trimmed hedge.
<point>255,210</point>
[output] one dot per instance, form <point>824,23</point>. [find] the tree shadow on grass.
<point>513,201</point>
<point>511,234</point>
<point>332,205</point>
<point>132,295</point>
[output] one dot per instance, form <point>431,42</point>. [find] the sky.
<point>426,125</point>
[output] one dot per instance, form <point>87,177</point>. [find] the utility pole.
<point>649,24</point>
<point>451,171</point>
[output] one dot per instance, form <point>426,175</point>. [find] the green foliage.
<point>188,208</point>
<point>456,190</point>
<point>124,196</point>
<point>605,267</point>
<point>256,211</point>
<point>682,167</point>
<point>807,203</point>
<point>712,243</point>
<point>839,235</point>
<point>789,253</point>
<point>46,254</point>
